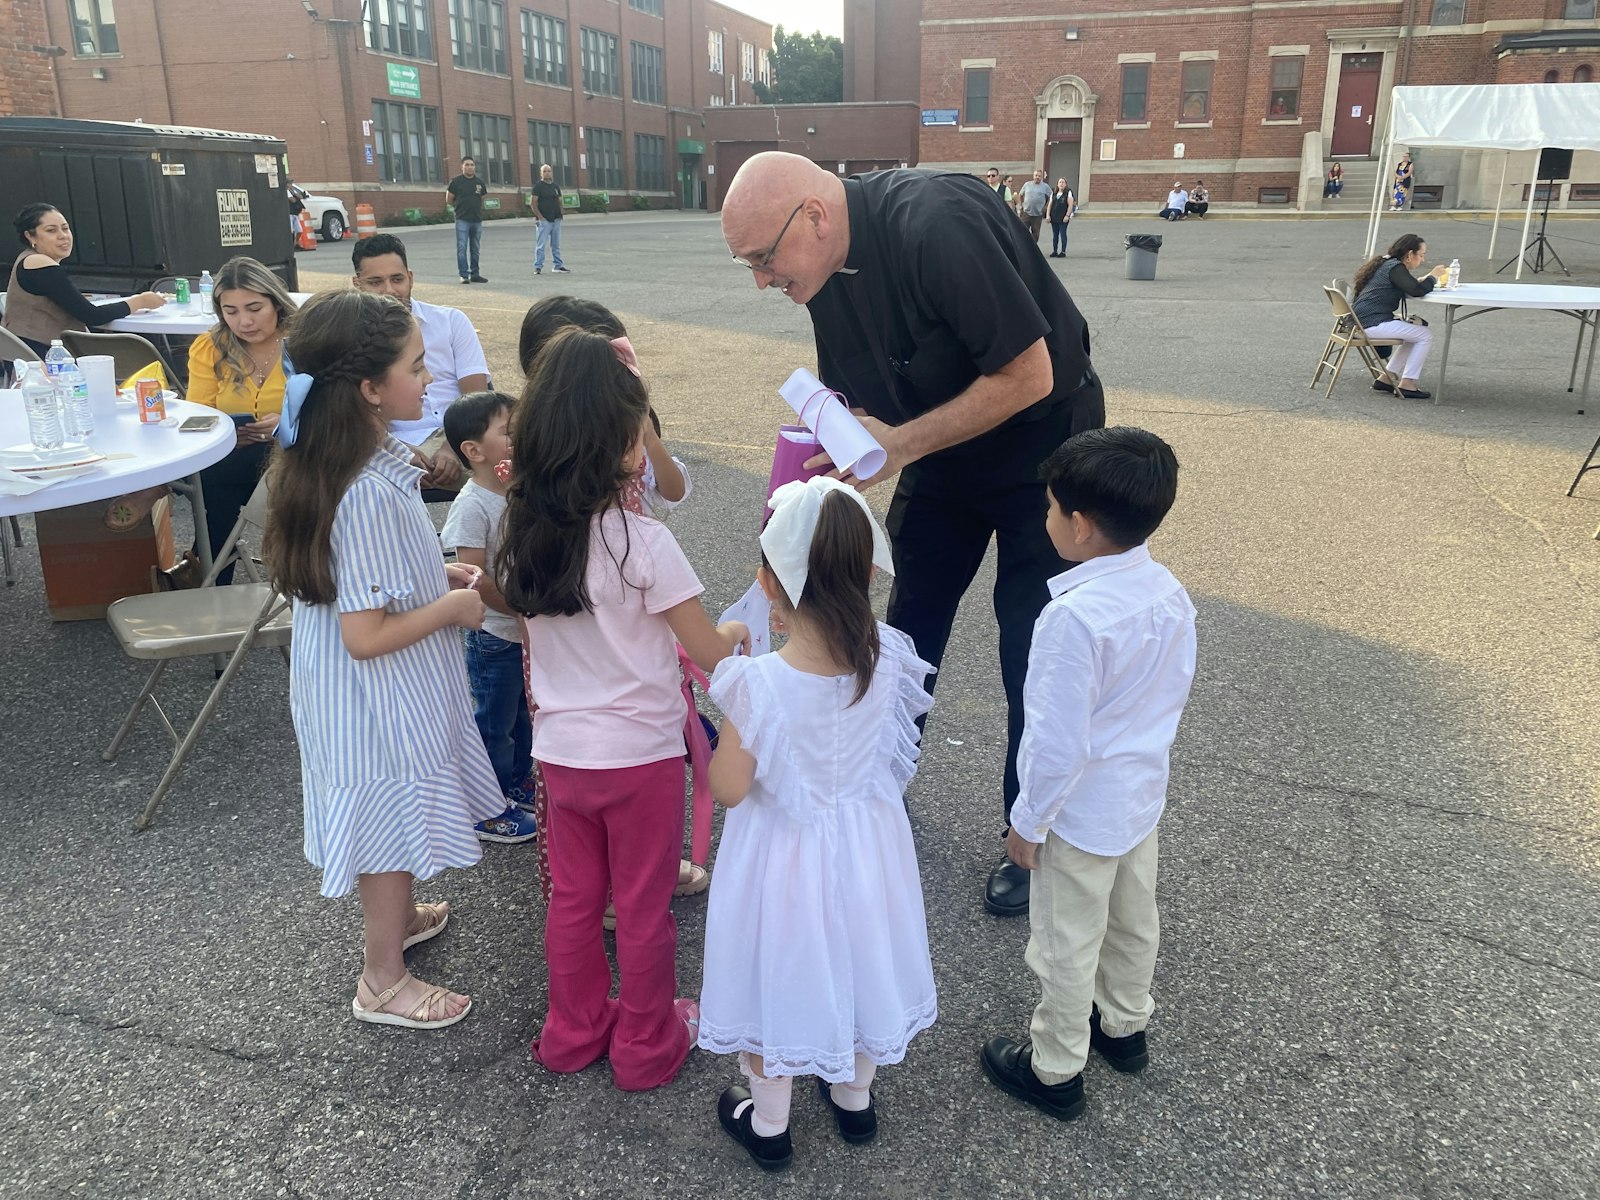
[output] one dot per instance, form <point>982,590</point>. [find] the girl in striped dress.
<point>393,769</point>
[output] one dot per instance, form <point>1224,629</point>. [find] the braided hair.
<point>342,340</point>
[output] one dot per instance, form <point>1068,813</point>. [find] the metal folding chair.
<point>206,621</point>
<point>1345,335</point>
<point>130,351</point>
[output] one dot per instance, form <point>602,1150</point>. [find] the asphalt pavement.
<point>1381,853</point>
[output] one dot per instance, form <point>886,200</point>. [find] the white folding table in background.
<point>138,457</point>
<point>175,320</point>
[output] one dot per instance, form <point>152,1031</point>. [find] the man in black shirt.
<point>466,191</point>
<point>547,209</point>
<point>937,315</point>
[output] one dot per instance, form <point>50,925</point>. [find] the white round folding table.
<point>1580,303</point>
<point>137,457</point>
<point>175,320</point>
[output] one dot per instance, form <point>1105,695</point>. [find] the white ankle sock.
<point>856,1095</point>
<point>771,1096</point>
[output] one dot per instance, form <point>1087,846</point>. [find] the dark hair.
<point>344,339</point>
<point>835,603</point>
<point>376,246</point>
<point>468,419</point>
<point>244,273</point>
<point>554,313</point>
<point>573,428</point>
<point>30,216</point>
<point>1405,244</point>
<point>467,158</point>
<point>1124,479</point>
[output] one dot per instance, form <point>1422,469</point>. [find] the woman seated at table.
<point>42,302</point>
<point>236,367</point>
<point>1380,287</point>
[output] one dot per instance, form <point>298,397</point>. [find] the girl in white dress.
<point>393,769</point>
<point>816,957</point>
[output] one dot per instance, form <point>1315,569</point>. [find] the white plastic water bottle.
<point>43,408</point>
<point>56,358</point>
<point>205,293</point>
<point>72,391</point>
<point>1455,273</point>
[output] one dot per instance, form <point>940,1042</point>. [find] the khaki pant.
<point>1094,938</point>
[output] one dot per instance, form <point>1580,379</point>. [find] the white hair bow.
<point>786,541</point>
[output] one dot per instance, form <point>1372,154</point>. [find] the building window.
<point>407,140</point>
<point>1552,76</point>
<point>94,28</point>
<point>478,35</point>
<point>487,140</point>
<point>1195,104</point>
<point>605,159</point>
<point>1448,12</point>
<point>1582,74</point>
<point>747,62</point>
<point>400,27</point>
<point>716,100</point>
<point>764,68</point>
<point>714,50</point>
<point>649,162</point>
<point>653,7</point>
<point>1284,101</point>
<point>551,143</point>
<point>1135,92</point>
<point>1575,10</point>
<point>649,86</point>
<point>976,110</point>
<point>601,75</point>
<point>544,48</point>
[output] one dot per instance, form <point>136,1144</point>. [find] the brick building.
<point>1123,97</point>
<point>26,89</point>
<point>843,138</point>
<point>378,100</point>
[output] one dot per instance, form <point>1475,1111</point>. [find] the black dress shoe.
<point>1378,385</point>
<point>734,1110</point>
<point>1007,893</point>
<point>479,279</point>
<point>1126,1054</point>
<point>1009,1064</point>
<point>857,1128</point>
<point>1415,394</point>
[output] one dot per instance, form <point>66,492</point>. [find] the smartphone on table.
<point>199,424</point>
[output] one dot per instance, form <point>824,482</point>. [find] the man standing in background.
<point>547,212</point>
<point>466,191</point>
<point>1035,203</point>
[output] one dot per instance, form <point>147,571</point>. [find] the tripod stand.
<point>1540,245</point>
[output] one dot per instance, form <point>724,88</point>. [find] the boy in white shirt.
<point>1108,675</point>
<point>476,426</point>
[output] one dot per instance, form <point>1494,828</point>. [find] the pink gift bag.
<point>795,444</point>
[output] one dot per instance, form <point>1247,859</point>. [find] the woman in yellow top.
<point>236,367</point>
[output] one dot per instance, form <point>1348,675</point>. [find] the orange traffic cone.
<point>307,240</point>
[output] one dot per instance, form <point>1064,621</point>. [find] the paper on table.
<point>755,610</point>
<point>853,450</point>
<point>12,484</point>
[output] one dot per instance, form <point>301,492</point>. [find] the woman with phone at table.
<point>1384,283</point>
<point>42,302</point>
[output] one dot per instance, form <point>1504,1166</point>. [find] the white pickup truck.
<point>328,215</point>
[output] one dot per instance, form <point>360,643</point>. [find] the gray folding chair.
<point>206,621</point>
<point>130,351</point>
<point>12,348</point>
<point>1347,334</point>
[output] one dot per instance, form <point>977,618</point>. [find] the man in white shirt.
<point>454,357</point>
<point>1109,671</point>
<point>1176,199</point>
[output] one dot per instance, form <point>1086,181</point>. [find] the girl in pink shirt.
<point>604,593</point>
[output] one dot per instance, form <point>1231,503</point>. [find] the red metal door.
<point>1354,108</point>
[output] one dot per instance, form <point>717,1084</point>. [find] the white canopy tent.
<point>1496,116</point>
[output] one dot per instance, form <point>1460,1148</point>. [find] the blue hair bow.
<point>295,391</point>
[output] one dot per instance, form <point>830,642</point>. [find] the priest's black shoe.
<point>1007,893</point>
<point>1009,1064</point>
<point>734,1110</point>
<point>857,1128</point>
<point>1127,1054</point>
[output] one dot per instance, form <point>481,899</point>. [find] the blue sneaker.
<point>509,828</point>
<point>523,795</point>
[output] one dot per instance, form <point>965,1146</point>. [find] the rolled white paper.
<point>853,450</point>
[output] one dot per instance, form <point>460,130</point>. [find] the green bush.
<point>641,203</point>
<point>592,203</point>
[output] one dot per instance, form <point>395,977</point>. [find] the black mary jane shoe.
<point>734,1110</point>
<point>1009,1065</point>
<point>1129,1054</point>
<point>857,1128</point>
<point>1006,894</point>
<point>1379,385</point>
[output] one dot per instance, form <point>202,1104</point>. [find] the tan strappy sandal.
<point>438,916</point>
<point>417,1018</point>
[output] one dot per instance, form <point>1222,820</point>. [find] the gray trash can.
<point>1140,250</point>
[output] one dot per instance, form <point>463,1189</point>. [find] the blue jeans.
<point>547,234</point>
<point>1058,237</point>
<point>500,706</point>
<point>468,236</point>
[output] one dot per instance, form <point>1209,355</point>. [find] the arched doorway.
<point>1064,143</point>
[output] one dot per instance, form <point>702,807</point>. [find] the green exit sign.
<point>405,81</point>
